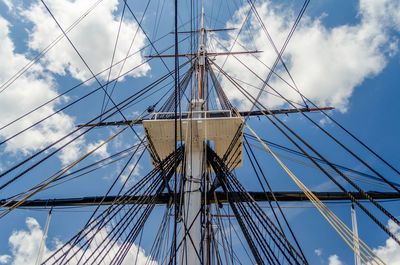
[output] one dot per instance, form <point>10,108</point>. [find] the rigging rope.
<point>101,223</point>
<point>26,67</point>
<point>265,83</point>
<point>253,157</point>
<point>130,47</point>
<point>286,149</point>
<point>263,109</point>
<point>279,53</point>
<point>98,74</point>
<point>227,179</point>
<point>112,58</point>
<point>54,177</point>
<point>123,103</point>
<point>335,222</point>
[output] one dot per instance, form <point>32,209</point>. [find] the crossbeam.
<point>165,198</point>
<point>207,30</point>
<point>195,54</point>
<point>214,114</point>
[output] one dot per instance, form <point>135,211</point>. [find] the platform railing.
<point>188,114</point>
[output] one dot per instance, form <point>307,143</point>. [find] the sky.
<point>343,54</point>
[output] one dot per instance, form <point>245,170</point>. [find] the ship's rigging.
<point>194,153</point>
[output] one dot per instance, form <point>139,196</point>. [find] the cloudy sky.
<point>343,54</point>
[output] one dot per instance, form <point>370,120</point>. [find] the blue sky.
<point>344,54</point>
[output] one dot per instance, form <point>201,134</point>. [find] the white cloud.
<point>101,152</point>
<point>318,252</point>
<point>94,37</point>
<point>326,63</point>
<point>390,252</point>
<point>26,93</point>
<point>25,246</point>
<point>5,259</point>
<point>73,151</point>
<point>384,12</point>
<point>127,173</point>
<point>10,6</point>
<point>334,260</point>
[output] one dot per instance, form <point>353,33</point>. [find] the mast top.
<point>201,59</point>
<point>202,17</point>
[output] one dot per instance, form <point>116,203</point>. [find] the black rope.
<point>279,53</point>
<point>168,106</point>
<point>113,56</point>
<point>227,179</point>
<point>130,47</point>
<point>286,149</point>
<point>175,123</point>
<point>222,98</point>
<point>254,158</point>
<point>92,77</point>
<point>265,83</point>
<point>101,223</point>
<point>103,162</point>
<point>147,37</point>
<point>26,67</point>
<point>88,67</point>
<point>123,103</point>
<point>351,197</point>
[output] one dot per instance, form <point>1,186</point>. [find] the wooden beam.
<point>164,198</point>
<point>210,115</point>
<point>195,54</point>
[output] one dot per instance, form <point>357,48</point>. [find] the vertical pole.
<point>206,222</point>
<point>194,148</point>
<point>176,79</point>
<point>191,230</point>
<point>356,243</point>
<point>43,243</point>
<point>201,58</point>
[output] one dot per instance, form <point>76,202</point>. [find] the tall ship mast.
<point>203,194</point>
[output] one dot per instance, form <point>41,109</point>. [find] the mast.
<point>356,242</point>
<point>191,230</point>
<point>201,58</point>
<point>197,128</point>
<point>43,242</point>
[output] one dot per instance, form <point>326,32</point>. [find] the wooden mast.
<point>194,148</point>
<point>201,59</point>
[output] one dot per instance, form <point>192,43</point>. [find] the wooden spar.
<point>207,30</point>
<point>201,60</point>
<point>214,114</point>
<point>195,54</point>
<point>164,198</point>
<point>194,165</point>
